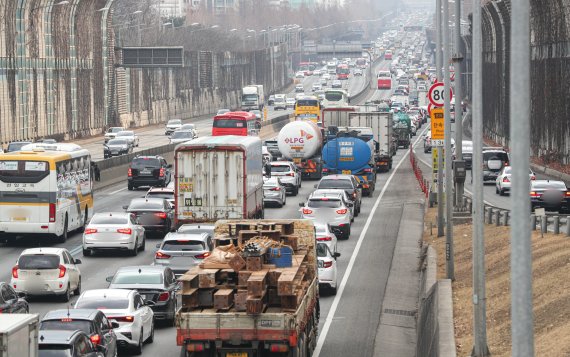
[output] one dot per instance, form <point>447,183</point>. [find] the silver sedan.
<point>130,136</point>
<point>181,251</point>
<point>113,231</point>
<point>274,192</point>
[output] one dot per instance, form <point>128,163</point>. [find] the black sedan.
<point>154,283</point>
<point>156,215</point>
<point>116,147</point>
<point>11,302</point>
<point>549,194</point>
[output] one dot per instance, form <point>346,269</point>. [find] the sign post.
<point>437,138</point>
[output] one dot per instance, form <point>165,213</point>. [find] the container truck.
<point>381,124</point>
<point>19,335</point>
<point>261,303</point>
<point>252,97</point>
<point>218,177</point>
<point>350,155</point>
<point>301,142</point>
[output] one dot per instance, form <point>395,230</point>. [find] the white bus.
<point>335,98</point>
<point>45,189</point>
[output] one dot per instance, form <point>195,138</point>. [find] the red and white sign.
<point>436,94</point>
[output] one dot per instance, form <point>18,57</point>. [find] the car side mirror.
<point>125,207</point>
<point>115,324</point>
<point>315,186</point>
<point>301,204</point>
<point>158,246</point>
<point>109,279</point>
<point>336,255</point>
<point>77,261</point>
<point>169,166</point>
<point>149,303</point>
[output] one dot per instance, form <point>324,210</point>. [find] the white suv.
<point>289,174</point>
<point>47,271</point>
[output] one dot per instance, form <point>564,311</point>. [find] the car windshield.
<point>146,205</point>
<point>109,219</point>
<point>117,142</point>
<point>145,162</point>
<point>324,203</point>
<point>183,245</point>
<point>181,135</point>
<point>125,133</point>
<point>280,168</point>
<point>544,185</point>
<point>38,261</point>
<point>331,183</point>
<point>102,303</point>
<point>134,277</point>
<point>50,350</point>
<point>175,122</point>
<point>322,250</point>
<point>67,324</point>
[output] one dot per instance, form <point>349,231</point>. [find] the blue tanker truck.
<point>350,155</point>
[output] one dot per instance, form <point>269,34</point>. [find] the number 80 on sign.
<point>436,94</point>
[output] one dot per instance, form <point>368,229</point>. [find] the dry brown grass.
<point>551,288</point>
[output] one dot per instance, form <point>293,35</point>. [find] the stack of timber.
<point>242,278</point>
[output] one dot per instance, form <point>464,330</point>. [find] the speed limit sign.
<point>436,94</point>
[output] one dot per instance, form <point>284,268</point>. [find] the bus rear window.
<point>307,103</point>
<point>21,171</point>
<point>229,123</point>
<point>333,96</point>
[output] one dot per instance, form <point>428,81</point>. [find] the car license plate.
<point>236,354</point>
<point>145,171</point>
<point>19,219</point>
<point>346,172</point>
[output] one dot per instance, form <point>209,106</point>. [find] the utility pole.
<point>480,348</point>
<point>447,117</point>
<point>521,257</point>
<point>438,62</point>
<point>457,59</point>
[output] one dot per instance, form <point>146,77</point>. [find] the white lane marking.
<point>338,296</point>
<point>117,191</point>
<point>76,250</point>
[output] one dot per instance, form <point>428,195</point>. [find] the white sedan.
<point>129,309</point>
<point>130,135</point>
<point>327,269</point>
<point>113,231</point>
<point>325,235</point>
<point>503,181</point>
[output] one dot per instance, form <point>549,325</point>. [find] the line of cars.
<point>118,141</point>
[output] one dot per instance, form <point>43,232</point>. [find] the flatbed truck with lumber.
<point>256,295</point>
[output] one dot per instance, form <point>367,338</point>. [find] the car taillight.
<point>161,174</point>
<point>535,194</point>
<point>96,339</point>
<point>307,211</point>
<point>15,272</point>
<point>290,174</point>
<point>160,215</point>
<point>163,296</point>
<point>327,264</point>
<point>130,173</point>
<point>325,169</point>
<point>533,177</point>
<point>506,179</point>
<point>202,256</point>
<point>276,189</point>
<point>567,193</point>
<point>125,230</point>
<point>90,230</point>
<point>161,255</point>
<point>354,195</point>
<point>62,270</point>
<point>368,170</point>
<point>324,239</point>
<point>52,212</point>
<point>122,318</point>
<point>341,211</point>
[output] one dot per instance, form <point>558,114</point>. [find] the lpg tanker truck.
<point>348,154</point>
<point>301,142</point>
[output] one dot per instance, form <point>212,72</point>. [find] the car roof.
<point>112,214</point>
<point>330,192</point>
<point>281,163</point>
<point>86,314</point>
<point>58,336</point>
<point>319,195</point>
<point>161,189</point>
<point>547,182</point>
<point>147,199</point>
<point>148,157</point>
<point>337,177</point>
<point>43,250</point>
<point>142,268</point>
<point>181,235</point>
<point>107,293</point>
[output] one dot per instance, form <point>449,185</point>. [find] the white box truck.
<point>252,97</point>
<point>19,335</point>
<point>218,177</point>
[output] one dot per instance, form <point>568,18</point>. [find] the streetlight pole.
<point>457,59</point>
<point>438,61</point>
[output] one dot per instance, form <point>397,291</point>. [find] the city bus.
<point>342,71</point>
<point>308,108</point>
<point>335,98</point>
<point>307,68</point>
<point>331,67</point>
<point>384,80</point>
<point>236,123</point>
<point>45,189</point>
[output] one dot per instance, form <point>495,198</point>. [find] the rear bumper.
<point>45,288</point>
<point>27,228</point>
<point>146,181</point>
<point>94,244</point>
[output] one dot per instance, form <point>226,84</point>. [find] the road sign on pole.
<point>430,107</point>
<point>437,125</point>
<point>436,94</point>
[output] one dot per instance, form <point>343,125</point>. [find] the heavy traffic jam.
<point>237,235</point>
